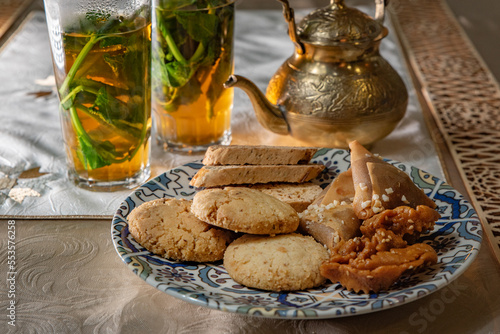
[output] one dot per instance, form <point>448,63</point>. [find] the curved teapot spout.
<point>269,115</point>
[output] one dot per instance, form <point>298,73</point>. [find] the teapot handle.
<point>380,6</point>
<point>292,27</point>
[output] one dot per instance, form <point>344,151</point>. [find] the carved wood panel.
<point>463,98</point>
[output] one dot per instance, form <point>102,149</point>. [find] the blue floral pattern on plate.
<point>456,238</point>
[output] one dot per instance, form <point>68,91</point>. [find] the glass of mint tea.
<point>101,57</point>
<point>192,57</point>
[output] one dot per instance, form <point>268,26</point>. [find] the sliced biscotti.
<point>216,176</point>
<point>257,155</point>
<point>298,195</point>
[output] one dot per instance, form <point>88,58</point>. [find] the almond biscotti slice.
<point>257,155</point>
<point>298,195</point>
<point>217,176</point>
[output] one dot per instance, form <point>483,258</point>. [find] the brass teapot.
<point>336,87</point>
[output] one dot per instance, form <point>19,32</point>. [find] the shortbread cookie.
<point>257,155</point>
<point>244,210</point>
<point>168,228</point>
<point>284,262</point>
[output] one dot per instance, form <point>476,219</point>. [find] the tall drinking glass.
<point>101,57</point>
<point>192,57</point>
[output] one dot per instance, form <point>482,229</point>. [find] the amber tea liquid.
<point>191,124</point>
<point>105,109</point>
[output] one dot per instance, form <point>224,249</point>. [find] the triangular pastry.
<point>330,224</point>
<point>341,189</point>
<point>379,185</point>
<point>331,218</point>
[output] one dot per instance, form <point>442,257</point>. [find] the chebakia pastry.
<point>376,260</point>
<point>370,217</point>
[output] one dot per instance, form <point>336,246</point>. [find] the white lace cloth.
<point>30,134</point>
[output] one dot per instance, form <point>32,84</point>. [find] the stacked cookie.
<point>280,171</point>
<point>269,256</point>
<point>256,210</point>
<point>167,227</point>
<point>243,215</point>
<point>258,191</point>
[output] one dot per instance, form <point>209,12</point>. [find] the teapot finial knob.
<point>380,9</point>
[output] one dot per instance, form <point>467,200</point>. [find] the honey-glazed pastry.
<point>404,221</point>
<point>374,264</point>
<point>376,260</point>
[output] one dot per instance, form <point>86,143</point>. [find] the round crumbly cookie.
<point>285,262</point>
<point>244,210</point>
<point>168,228</point>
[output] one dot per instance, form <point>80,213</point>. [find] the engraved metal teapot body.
<point>336,87</point>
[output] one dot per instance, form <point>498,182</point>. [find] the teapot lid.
<point>337,23</point>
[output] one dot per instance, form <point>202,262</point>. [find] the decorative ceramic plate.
<point>456,239</point>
